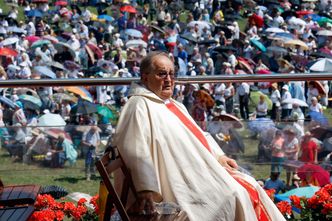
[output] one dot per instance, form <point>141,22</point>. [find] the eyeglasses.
<point>164,74</point>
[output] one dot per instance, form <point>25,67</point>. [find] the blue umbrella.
<point>106,17</point>
<point>260,124</point>
<point>42,70</point>
<point>259,45</point>
<point>7,102</point>
<point>134,33</point>
<point>306,192</point>
<point>319,118</point>
<point>35,13</point>
<point>284,35</point>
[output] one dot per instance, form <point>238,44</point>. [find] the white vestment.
<point>164,156</point>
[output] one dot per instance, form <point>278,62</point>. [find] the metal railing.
<point>179,80</point>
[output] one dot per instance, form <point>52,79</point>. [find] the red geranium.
<point>284,207</point>
<point>296,201</point>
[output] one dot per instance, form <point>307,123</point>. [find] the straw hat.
<point>274,85</point>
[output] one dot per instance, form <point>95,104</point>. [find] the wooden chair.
<point>105,167</point>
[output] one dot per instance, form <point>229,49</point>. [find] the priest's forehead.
<point>148,64</point>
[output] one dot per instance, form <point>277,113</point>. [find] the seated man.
<point>172,160</point>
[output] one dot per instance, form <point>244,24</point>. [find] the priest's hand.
<point>227,162</point>
<point>144,203</point>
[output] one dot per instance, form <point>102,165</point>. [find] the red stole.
<point>260,210</point>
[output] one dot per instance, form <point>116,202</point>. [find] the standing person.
<point>286,107</point>
<point>243,91</point>
<point>91,141</point>
<point>291,147</point>
<point>275,98</point>
<point>277,152</point>
<point>229,93</point>
<point>315,106</point>
<point>309,149</point>
<point>261,108</point>
<point>172,160</point>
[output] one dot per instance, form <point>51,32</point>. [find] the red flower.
<point>323,196</point>
<point>328,188</point>
<point>59,215</point>
<point>81,201</point>
<point>284,207</point>
<point>94,201</point>
<point>313,202</point>
<point>296,201</point>
<point>327,208</point>
<point>270,193</point>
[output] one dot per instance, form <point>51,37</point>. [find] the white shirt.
<point>243,89</point>
<point>285,96</point>
<point>275,97</point>
<point>315,108</point>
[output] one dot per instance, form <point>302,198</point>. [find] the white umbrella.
<point>60,48</point>
<point>136,43</point>
<point>134,33</point>
<point>9,41</point>
<point>324,33</point>
<point>295,101</point>
<point>201,24</point>
<point>274,30</point>
<point>51,120</point>
<point>322,65</point>
<point>296,21</point>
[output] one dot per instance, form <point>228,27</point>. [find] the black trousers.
<point>244,106</point>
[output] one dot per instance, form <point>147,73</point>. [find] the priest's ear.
<point>144,77</point>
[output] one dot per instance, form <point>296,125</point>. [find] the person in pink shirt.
<point>278,153</point>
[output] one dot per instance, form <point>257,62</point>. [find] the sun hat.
<point>285,87</point>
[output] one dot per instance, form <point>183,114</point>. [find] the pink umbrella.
<point>95,50</point>
<point>52,39</point>
<point>61,3</point>
<point>315,173</point>
<point>32,38</point>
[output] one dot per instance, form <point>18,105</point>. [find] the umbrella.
<point>59,97</point>
<point>51,120</point>
<point>43,70</point>
<point>224,49</point>
<point>254,100</point>
<point>136,43</point>
<point>295,101</point>
<point>274,30</point>
<point>207,42</point>
<point>61,3</point>
<point>35,13</point>
<point>52,39</point>
<point>128,8</point>
<point>189,37</point>
<point>15,29</point>
<point>306,192</point>
<point>8,52</point>
<point>105,112</point>
<point>7,102</point>
<point>321,132</point>
<point>259,21</point>
<point>107,65</point>
<point>244,64</point>
<point>157,29</point>
<point>284,36</point>
<point>319,118</point>
<point>57,65</point>
<point>201,24</point>
<point>94,48</point>
<point>40,43</point>
<point>32,38</point>
<point>30,102</point>
<point>259,45</point>
<point>71,65</point>
<point>319,87</point>
<point>55,132</point>
<point>134,33</point>
<point>60,48</point>
<point>315,172</point>
<point>39,1</point>
<point>320,54</point>
<point>260,124</point>
<point>296,21</point>
<point>296,42</point>
<point>230,118</point>
<point>322,65</point>
<point>324,33</point>
<point>81,91</point>
<point>303,13</point>
<point>9,41</point>
<point>205,97</point>
<point>106,18</point>
<point>236,140</point>
<point>277,49</point>
<point>85,107</point>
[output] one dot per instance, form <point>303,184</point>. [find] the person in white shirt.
<point>315,106</point>
<point>312,92</point>
<point>243,92</point>
<point>286,107</point>
<point>261,109</point>
<point>86,15</point>
<point>275,98</point>
<point>231,59</point>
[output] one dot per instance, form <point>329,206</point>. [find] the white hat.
<point>285,87</point>
<point>189,64</point>
<point>227,64</point>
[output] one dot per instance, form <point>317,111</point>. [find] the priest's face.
<point>160,80</point>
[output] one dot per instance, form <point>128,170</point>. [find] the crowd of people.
<point>67,40</point>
